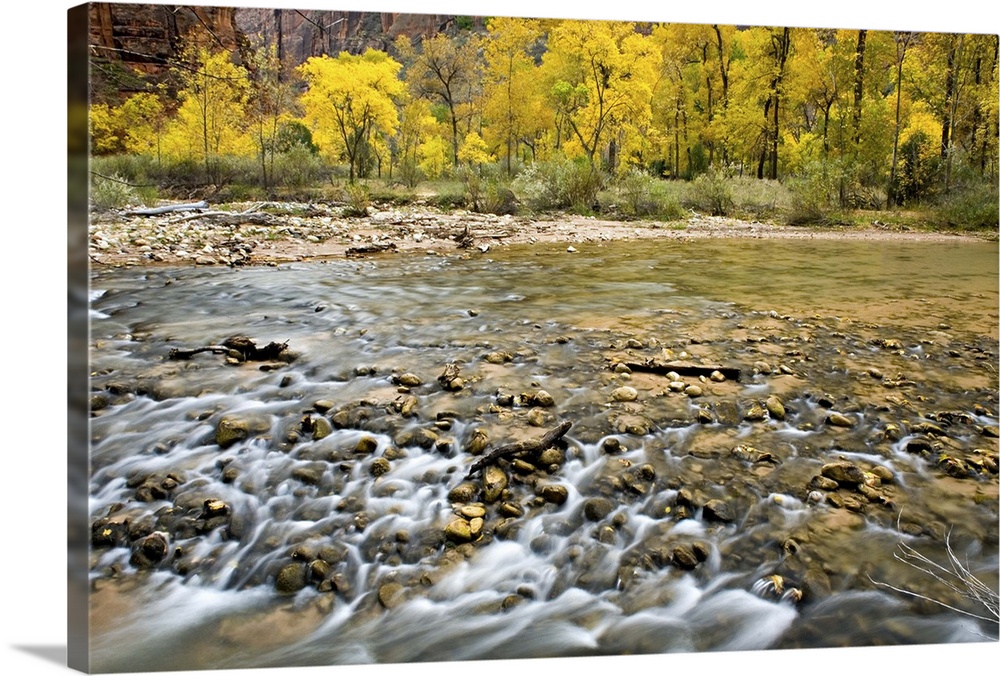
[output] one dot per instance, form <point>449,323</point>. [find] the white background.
<point>33,351</point>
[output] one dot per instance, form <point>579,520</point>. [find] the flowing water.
<point>285,546</point>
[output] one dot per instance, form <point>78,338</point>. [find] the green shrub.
<point>358,199</point>
<point>712,192</point>
<point>640,195</point>
<point>972,208</point>
<point>113,192</point>
<point>810,199</point>
<point>757,198</point>
<point>558,184</point>
<point>298,167</point>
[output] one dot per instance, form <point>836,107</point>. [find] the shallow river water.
<point>321,531</point>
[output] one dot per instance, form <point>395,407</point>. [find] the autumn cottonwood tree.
<point>512,110</point>
<point>902,40</point>
<point>349,100</point>
<point>211,119</point>
<point>603,75</point>
<point>447,70</point>
<point>271,99</point>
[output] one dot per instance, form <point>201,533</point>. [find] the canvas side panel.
<point>77,409</point>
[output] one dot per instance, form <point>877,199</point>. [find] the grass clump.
<point>114,192</point>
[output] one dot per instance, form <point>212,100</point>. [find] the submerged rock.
<point>625,393</point>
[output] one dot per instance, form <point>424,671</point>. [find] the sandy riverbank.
<point>272,233</point>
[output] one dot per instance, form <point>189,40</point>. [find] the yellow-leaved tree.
<point>513,110</point>
<point>268,106</point>
<point>351,99</point>
<point>143,118</point>
<point>602,76</point>
<point>211,120</point>
<point>447,70</point>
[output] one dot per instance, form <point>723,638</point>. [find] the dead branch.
<point>683,369</point>
<point>156,211</point>
<point>245,347</point>
<point>530,447</point>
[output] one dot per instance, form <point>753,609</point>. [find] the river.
<point>320,533</point>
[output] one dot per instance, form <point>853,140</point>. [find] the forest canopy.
<point>877,118</point>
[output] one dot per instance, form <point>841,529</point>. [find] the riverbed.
<point>317,508</point>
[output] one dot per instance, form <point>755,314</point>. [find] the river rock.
<point>755,413</point>
<point>693,391</point>
<point>843,473</point>
<point>717,510</point>
<point>596,509</point>
<point>391,595</point>
<point>612,446</point>
<point>822,483</point>
<point>676,385</point>
<point>542,398</point>
<point>494,483</point>
<point>705,416</point>
<point>410,380</point>
<point>556,494</point>
<point>920,445</point>
<point>379,467</point>
<point>991,431</point>
<point>775,408</point>
<point>150,550</point>
<point>511,510</point>
<point>321,428</point>
<point>717,377</point>
<point>291,578</point>
<point>625,393</point>
<point>311,474</point>
<point>551,456</point>
<point>472,511</point>
<point>458,530</point>
<point>407,408</point>
<point>684,557</point>
<point>366,446</point>
<point>323,405</point>
<point>231,430</point>
<point>839,420</point>
<point>463,492</point>
<point>883,473</point>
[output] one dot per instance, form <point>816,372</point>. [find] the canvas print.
<point>433,338</point>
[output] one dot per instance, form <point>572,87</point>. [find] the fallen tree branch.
<point>246,348</point>
<point>532,447</point>
<point>683,369</point>
<point>156,211</point>
<point>375,248</point>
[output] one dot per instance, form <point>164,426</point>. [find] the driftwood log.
<point>156,211</point>
<point>365,250</point>
<point>682,368</point>
<point>246,348</point>
<point>532,447</point>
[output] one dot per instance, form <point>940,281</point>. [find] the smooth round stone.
<point>625,393</point>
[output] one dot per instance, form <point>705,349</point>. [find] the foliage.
<point>474,150</point>
<point>975,207</point>
<point>640,195</point>
<point>558,184</point>
<point>113,192</point>
<point>837,119</point>
<point>350,101</point>
<point>358,199</point>
<point>712,192</point>
<point>210,122</point>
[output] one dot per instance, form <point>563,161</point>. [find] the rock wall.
<point>133,45</point>
<point>300,34</point>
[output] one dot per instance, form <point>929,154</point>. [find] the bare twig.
<point>956,577</point>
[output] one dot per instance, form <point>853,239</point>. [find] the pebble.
<point>625,393</point>
<point>839,420</point>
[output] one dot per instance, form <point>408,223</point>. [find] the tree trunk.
<point>902,41</point>
<point>859,71</point>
